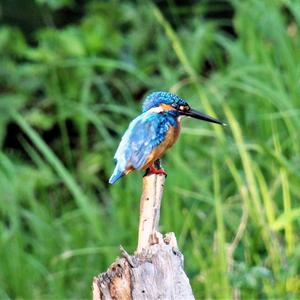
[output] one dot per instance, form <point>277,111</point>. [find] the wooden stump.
<point>156,269</point>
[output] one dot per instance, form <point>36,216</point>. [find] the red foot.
<point>153,170</point>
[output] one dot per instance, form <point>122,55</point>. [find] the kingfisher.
<point>152,133</point>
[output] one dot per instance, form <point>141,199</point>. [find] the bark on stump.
<point>155,271</point>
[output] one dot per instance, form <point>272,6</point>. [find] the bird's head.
<point>165,101</point>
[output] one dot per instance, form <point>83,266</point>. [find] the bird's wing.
<point>143,134</point>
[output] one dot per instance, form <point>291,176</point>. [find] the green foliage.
<point>232,194</point>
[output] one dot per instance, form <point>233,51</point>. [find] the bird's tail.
<point>117,174</point>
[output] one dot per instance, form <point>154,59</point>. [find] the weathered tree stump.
<point>155,271</point>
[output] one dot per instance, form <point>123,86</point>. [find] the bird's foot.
<point>153,170</point>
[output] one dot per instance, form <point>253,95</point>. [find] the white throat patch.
<point>157,109</point>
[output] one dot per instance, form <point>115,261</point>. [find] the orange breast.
<point>168,142</point>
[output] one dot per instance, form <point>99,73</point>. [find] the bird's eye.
<point>184,107</point>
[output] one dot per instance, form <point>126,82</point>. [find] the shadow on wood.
<point>155,271</point>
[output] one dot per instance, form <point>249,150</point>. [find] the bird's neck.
<point>171,113</point>
<point>172,117</point>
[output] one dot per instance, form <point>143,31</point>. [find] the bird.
<point>153,132</point>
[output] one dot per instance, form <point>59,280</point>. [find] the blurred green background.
<point>72,76</point>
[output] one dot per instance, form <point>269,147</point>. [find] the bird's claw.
<point>153,170</point>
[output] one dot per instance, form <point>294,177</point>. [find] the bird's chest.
<point>172,134</point>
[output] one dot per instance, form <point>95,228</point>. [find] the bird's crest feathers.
<point>157,98</point>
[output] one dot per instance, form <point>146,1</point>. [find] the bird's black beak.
<point>200,116</point>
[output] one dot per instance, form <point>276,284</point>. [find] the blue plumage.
<point>150,134</point>
<point>157,98</point>
<point>144,133</point>
<point>117,174</point>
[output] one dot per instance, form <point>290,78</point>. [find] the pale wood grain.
<point>155,271</point>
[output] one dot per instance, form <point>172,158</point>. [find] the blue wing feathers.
<point>143,134</point>
<point>117,174</point>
